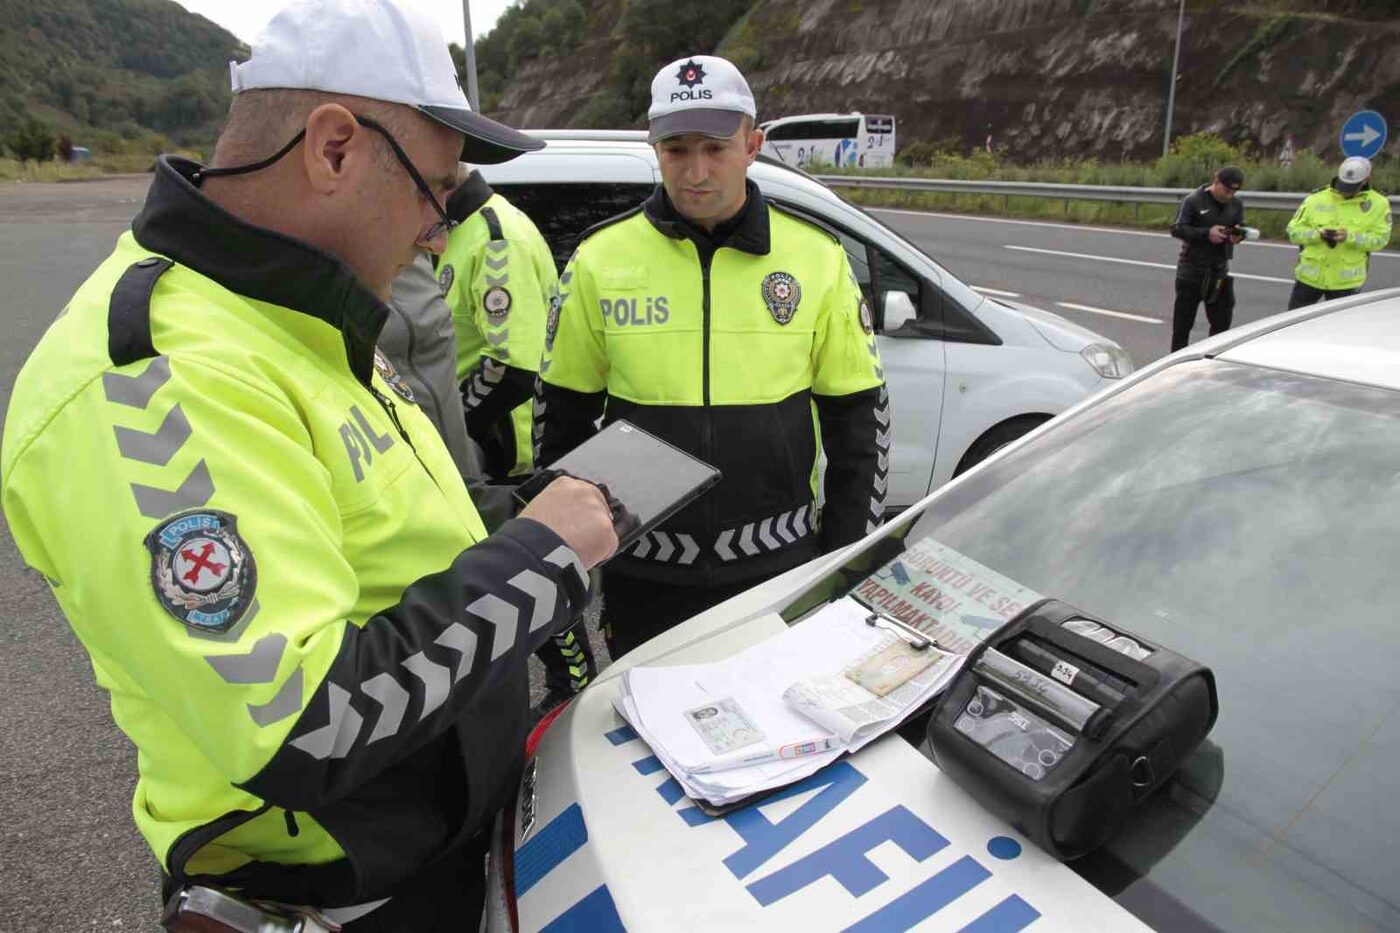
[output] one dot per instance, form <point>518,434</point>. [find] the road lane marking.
<point>1137,262</point>
<point>997,292</point>
<point>1121,231</point>
<point>1123,314</point>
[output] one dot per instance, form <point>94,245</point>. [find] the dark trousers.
<point>636,611</point>
<point>1217,290</point>
<point>1304,295</point>
<point>442,899</point>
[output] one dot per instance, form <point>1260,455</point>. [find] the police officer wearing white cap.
<point>263,543</point>
<point>1337,228</point>
<point>718,320</point>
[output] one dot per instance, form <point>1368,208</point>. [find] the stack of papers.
<point>782,709</point>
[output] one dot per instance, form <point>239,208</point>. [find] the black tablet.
<point>652,478</point>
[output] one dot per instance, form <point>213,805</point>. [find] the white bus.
<point>844,140</point>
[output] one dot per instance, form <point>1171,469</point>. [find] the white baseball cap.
<point>701,94</point>
<point>389,50</point>
<point>1353,174</point>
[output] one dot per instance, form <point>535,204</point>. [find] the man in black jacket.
<point>1209,225</point>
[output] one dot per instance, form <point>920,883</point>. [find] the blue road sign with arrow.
<point>1363,134</point>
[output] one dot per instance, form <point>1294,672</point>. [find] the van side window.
<point>879,275</point>
<point>564,211</point>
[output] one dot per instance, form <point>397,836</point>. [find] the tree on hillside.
<point>33,141</point>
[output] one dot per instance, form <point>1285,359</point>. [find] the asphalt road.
<point>70,858</point>
<point>1113,271</point>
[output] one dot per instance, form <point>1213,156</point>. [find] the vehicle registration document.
<point>808,688</point>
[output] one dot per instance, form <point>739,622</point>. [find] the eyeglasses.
<point>444,223</point>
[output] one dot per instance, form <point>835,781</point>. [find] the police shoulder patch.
<point>781,293</point>
<point>445,278</point>
<point>202,572</point>
<point>496,301</point>
<point>551,326</point>
<point>391,377</point>
<point>1365,205</point>
<point>867,321</point>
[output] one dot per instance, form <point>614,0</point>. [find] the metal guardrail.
<point>1259,200</point>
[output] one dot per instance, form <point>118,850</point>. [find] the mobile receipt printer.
<point>1062,724</point>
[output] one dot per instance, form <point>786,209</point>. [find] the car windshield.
<point>1248,519</point>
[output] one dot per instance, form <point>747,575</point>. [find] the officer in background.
<point>497,275</point>
<point>1337,228</point>
<point>261,541</point>
<point>1209,224</point>
<point>717,320</point>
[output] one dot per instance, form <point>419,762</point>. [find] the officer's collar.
<point>469,198</point>
<point>180,222</point>
<point>747,231</point>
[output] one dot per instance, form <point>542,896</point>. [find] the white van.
<point>967,374</point>
<point>844,140</point>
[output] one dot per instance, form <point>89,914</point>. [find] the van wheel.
<point>998,437</point>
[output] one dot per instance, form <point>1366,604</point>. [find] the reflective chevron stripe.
<point>667,548</point>
<point>394,700</point>
<point>156,448</point>
<point>285,703</point>
<point>770,534</point>
<point>562,557</point>
<point>575,660</point>
<point>437,682</point>
<point>136,391</point>
<point>258,666</point>
<point>159,447</point>
<point>337,736</point>
<point>432,679</point>
<point>197,489</point>
<point>462,640</point>
<point>881,480</point>
<point>481,385</point>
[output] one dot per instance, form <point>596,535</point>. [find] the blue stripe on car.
<point>595,913</point>
<point>561,838</point>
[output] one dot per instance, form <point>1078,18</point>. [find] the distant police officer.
<point>1337,228</point>
<point>730,327</point>
<point>498,277</point>
<point>1208,224</point>
<point>261,541</point>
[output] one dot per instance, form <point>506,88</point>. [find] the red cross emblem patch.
<point>201,570</point>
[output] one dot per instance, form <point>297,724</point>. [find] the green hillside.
<point>115,75</point>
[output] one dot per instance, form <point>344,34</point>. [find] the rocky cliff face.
<point>1045,78</point>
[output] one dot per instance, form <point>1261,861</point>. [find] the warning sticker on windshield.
<point>945,594</point>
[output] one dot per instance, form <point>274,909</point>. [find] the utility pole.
<point>1171,91</point>
<point>470,49</point>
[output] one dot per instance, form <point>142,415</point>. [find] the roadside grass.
<point>1271,223</point>
<point>102,164</point>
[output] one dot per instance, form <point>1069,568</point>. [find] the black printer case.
<point>1121,755</point>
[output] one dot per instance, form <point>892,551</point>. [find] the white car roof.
<point>1356,340</point>
<point>772,174</point>
<point>799,117</point>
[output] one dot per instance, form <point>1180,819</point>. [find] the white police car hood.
<point>880,840</point>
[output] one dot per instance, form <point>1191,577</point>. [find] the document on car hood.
<point>780,710</point>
